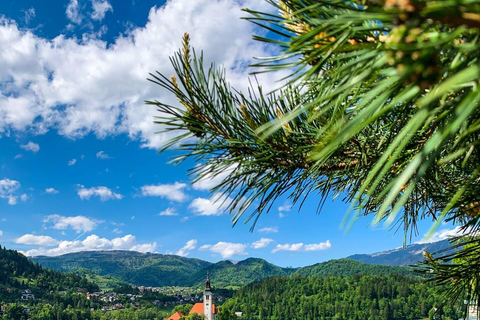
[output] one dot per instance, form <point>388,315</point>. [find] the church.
<point>207,307</point>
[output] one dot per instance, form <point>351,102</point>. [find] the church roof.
<point>176,316</point>
<point>198,308</point>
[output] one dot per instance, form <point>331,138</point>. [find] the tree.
<point>381,109</point>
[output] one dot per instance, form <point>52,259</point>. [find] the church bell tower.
<point>208,300</point>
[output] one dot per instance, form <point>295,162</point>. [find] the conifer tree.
<point>381,109</point>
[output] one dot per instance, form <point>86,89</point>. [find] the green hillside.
<point>17,273</point>
<point>349,267</point>
<point>227,273</point>
<point>106,282</point>
<point>145,269</point>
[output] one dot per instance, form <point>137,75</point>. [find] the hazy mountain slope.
<point>401,256</point>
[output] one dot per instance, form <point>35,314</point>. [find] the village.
<point>139,296</point>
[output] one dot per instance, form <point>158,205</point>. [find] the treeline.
<point>358,297</point>
<point>47,311</point>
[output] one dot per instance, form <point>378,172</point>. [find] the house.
<point>176,316</point>
<point>27,295</point>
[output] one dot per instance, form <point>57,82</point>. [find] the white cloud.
<point>102,155</point>
<point>30,239</point>
<point>77,223</point>
<point>72,162</point>
<point>92,243</point>
<point>103,192</point>
<point>51,191</point>
<point>1,233</point>
<point>18,156</point>
<point>303,247</point>
<point>269,230</point>
<point>73,12</point>
<point>173,192</point>
<point>214,206</point>
<point>189,246</point>
<point>8,189</point>
<point>100,7</point>
<point>24,197</point>
<point>318,246</point>
<point>30,146</point>
<point>208,182</point>
<point>226,249</point>
<point>168,212</point>
<point>262,243</point>
<point>443,234</point>
<point>117,231</point>
<point>286,207</point>
<point>44,92</point>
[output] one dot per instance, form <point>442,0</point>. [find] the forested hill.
<point>333,297</point>
<point>146,269</point>
<point>18,273</point>
<point>349,267</point>
<point>227,273</point>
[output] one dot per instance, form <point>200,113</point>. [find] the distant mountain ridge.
<point>151,269</point>
<point>407,256</point>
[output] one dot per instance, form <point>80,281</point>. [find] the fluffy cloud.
<point>30,239</point>
<point>214,206</point>
<point>262,243</point>
<point>103,192</point>
<point>173,192</point>
<point>185,250</point>
<point>100,7</point>
<point>77,223</point>
<point>94,242</point>
<point>269,230</point>
<point>104,94</point>
<point>51,191</point>
<point>443,234</point>
<point>1,233</point>
<point>72,162</point>
<point>226,249</point>
<point>8,189</point>
<point>102,155</point>
<point>168,212</point>
<point>303,247</point>
<point>30,146</point>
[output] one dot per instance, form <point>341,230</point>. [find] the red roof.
<point>198,308</point>
<point>177,315</point>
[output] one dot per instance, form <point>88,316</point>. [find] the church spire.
<point>207,283</point>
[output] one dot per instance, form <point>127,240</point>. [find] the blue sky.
<point>78,163</point>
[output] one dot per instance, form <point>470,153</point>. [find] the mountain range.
<point>407,256</point>
<point>152,269</point>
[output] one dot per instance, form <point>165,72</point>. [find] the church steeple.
<point>207,283</point>
<point>208,306</point>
